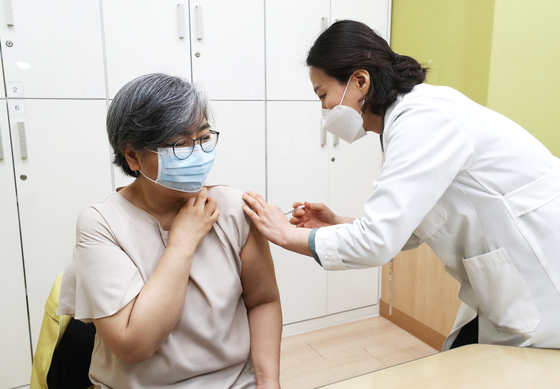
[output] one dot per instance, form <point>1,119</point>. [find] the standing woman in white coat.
<point>481,191</point>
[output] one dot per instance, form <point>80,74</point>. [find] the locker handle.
<point>335,140</point>
<point>22,140</point>
<point>324,24</point>
<point>9,12</point>
<point>323,135</point>
<point>182,22</point>
<point>1,148</point>
<point>199,23</point>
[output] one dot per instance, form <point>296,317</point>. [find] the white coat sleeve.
<point>425,150</point>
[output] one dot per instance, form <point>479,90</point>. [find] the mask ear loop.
<point>344,94</point>
<point>148,178</point>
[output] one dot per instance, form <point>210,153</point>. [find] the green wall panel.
<point>524,82</point>
<point>452,37</point>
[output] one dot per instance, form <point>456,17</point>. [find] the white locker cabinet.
<point>228,48</point>
<point>352,170</point>
<point>15,357</point>
<point>53,49</point>
<point>297,171</point>
<point>291,28</point>
<point>144,37</point>
<point>66,169</point>
<point>374,13</point>
<point>240,153</point>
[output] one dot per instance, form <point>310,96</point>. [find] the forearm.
<point>135,335</point>
<point>344,220</point>
<point>265,323</point>
<point>296,240</point>
<point>163,296</point>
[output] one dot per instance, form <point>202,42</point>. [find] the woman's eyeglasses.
<point>184,147</point>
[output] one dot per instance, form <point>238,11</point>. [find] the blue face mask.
<point>185,175</point>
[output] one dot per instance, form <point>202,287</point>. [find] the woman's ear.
<point>361,77</point>
<point>132,158</point>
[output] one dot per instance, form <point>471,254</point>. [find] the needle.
<point>295,209</point>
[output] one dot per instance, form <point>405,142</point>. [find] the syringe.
<point>295,209</point>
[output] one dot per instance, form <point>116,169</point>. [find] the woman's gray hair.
<point>151,110</point>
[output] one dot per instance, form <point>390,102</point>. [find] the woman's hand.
<point>314,215</point>
<point>269,219</point>
<point>194,220</point>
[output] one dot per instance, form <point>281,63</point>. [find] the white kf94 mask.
<point>343,121</point>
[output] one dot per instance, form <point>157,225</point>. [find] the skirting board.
<point>330,320</point>
<point>413,326</point>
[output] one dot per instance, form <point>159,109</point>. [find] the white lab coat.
<point>484,194</point>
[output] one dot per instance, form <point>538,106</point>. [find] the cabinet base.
<point>330,320</point>
<point>413,326</point>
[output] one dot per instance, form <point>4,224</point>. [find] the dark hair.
<point>347,46</point>
<point>149,111</point>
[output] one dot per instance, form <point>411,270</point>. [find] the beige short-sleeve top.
<point>118,247</point>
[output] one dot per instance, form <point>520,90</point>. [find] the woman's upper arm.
<point>108,280</point>
<point>257,274</point>
<point>107,277</point>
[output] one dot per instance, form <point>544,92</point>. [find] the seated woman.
<point>179,284</point>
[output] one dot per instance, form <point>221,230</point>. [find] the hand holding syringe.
<point>314,215</point>
<point>295,209</point>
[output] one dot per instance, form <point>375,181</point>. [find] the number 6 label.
<point>16,107</point>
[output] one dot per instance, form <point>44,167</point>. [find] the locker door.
<point>240,161</point>
<point>228,48</point>
<point>355,166</point>
<point>155,39</point>
<point>15,358</point>
<point>374,13</point>
<point>62,168</point>
<point>297,171</point>
<point>352,170</point>
<point>291,28</point>
<point>53,49</point>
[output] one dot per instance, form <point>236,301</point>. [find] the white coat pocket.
<point>501,293</point>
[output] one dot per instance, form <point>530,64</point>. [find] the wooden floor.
<point>320,357</point>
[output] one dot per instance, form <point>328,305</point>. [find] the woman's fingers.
<point>201,198</point>
<point>211,206</point>
<point>215,215</point>
<point>190,201</point>
<point>262,202</point>
<point>251,199</point>
<point>298,212</point>
<point>315,206</point>
<point>252,215</point>
<point>211,209</point>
